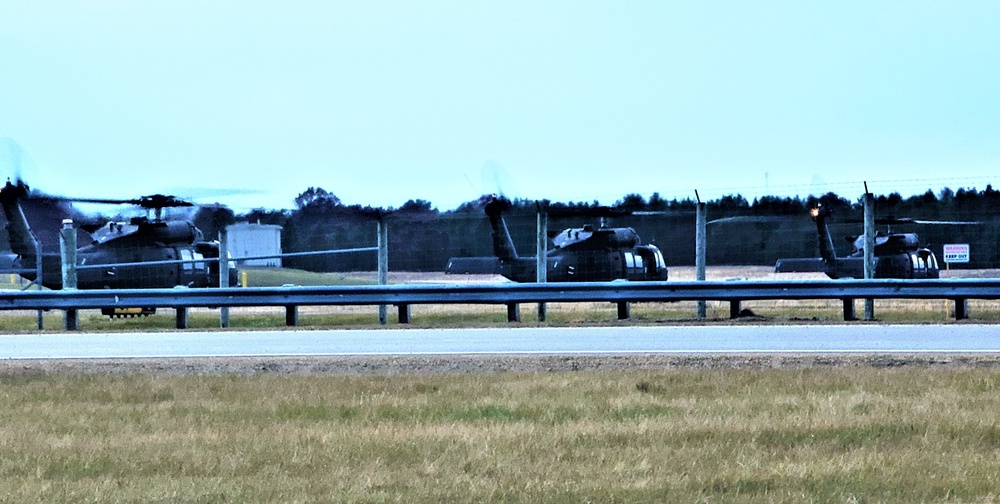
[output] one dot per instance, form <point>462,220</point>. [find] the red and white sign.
<point>956,253</point>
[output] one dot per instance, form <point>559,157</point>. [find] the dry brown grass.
<point>858,435</point>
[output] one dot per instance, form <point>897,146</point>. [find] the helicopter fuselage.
<point>919,263</point>
<point>636,264</point>
<point>586,254</point>
<point>118,274</point>
<point>137,254</point>
<point>896,255</point>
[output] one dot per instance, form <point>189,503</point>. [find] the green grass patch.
<point>276,277</point>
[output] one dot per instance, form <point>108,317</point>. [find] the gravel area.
<point>485,364</point>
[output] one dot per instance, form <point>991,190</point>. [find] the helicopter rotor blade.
<point>658,212</point>
<point>104,201</point>
<point>598,211</point>
<point>948,223</point>
<point>495,179</point>
<point>152,201</point>
<point>13,158</point>
<point>748,219</point>
<point>893,221</point>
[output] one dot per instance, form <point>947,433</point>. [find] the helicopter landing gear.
<point>130,312</point>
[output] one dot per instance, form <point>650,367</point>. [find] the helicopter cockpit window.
<point>629,260</point>
<point>200,266</point>
<point>186,256</point>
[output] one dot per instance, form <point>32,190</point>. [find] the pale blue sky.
<point>383,101</point>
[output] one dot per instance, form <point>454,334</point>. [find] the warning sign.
<point>956,253</point>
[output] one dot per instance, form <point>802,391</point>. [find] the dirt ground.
<point>422,365</point>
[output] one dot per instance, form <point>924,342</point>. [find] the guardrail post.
<point>513,312</point>
<point>291,315</point>
<point>961,308</point>
<point>404,313</point>
<point>734,309</point>
<point>72,320</point>
<point>624,310</point>
<point>182,318</point>
<point>849,314</point>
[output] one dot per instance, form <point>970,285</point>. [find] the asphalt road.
<point>855,338</point>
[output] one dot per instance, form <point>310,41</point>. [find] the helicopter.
<point>897,255</point>
<point>585,254</point>
<point>139,240</point>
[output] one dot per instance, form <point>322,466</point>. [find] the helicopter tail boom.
<point>22,241</point>
<point>826,250</point>
<point>503,244</point>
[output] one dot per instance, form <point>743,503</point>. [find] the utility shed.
<point>255,240</point>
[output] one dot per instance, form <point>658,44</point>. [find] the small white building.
<point>255,240</point>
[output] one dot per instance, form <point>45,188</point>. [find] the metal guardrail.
<point>405,295</point>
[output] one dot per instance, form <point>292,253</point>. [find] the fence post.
<point>223,273</point>
<point>383,265</point>
<point>67,245</point>
<point>700,248</point>
<point>67,248</point>
<point>541,252</point>
<point>869,249</point>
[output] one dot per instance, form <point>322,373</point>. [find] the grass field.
<point>847,435</point>
<point>855,434</point>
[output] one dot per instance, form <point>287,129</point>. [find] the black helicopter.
<point>587,254</point>
<point>140,240</point>
<point>897,255</point>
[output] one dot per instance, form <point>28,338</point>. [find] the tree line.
<point>422,238</point>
